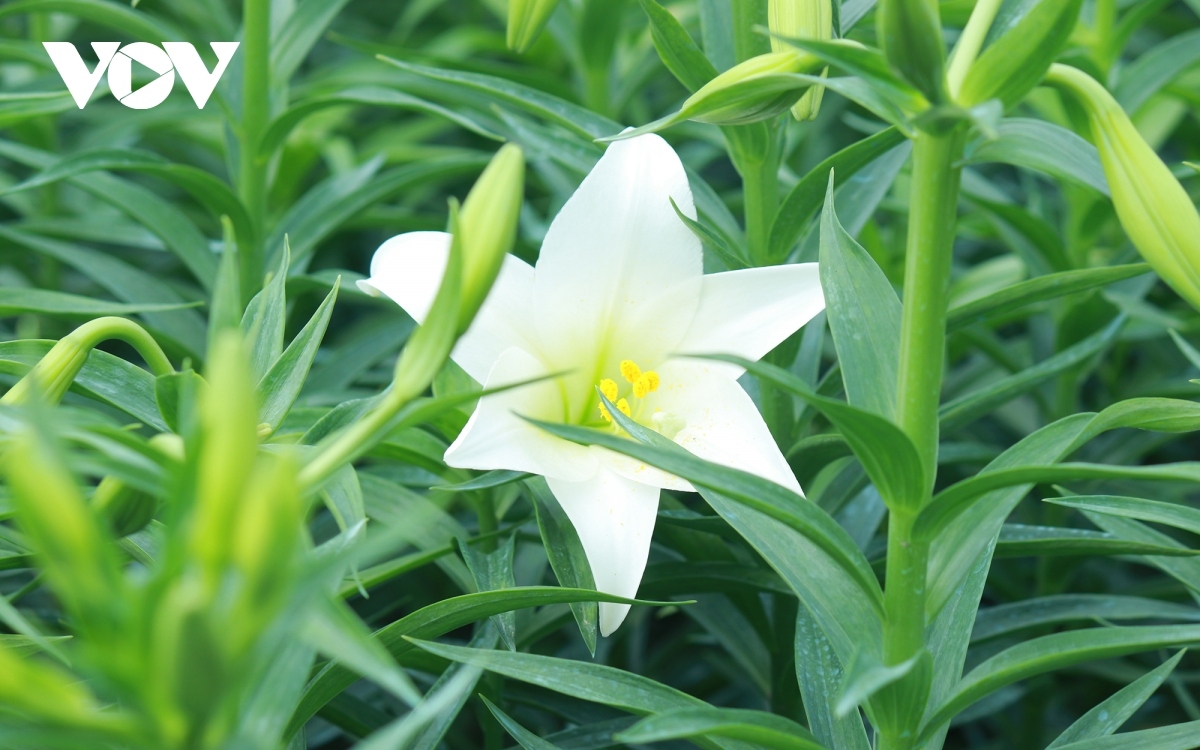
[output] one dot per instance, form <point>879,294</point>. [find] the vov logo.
<point>170,58</point>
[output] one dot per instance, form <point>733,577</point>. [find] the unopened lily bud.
<point>754,90</point>
<point>126,510</point>
<point>526,19</point>
<point>1153,207</point>
<point>910,34</point>
<point>801,19</point>
<point>53,375</point>
<point>487,227</point>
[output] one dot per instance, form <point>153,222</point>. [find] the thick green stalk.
<point>931,223</point>
<point>256,92</point>
<point>760,185</point>
<point>932,215</point>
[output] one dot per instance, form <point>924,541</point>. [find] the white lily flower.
<point>617,295</point>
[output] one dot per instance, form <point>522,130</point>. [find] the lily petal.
<point>408,269</point>
<point>614,518</point>
<point>497,438</point>
<point>619,274</point>
<point>749,312</point>
<point>718,421</point>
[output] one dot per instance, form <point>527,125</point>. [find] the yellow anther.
<point>648,383</point>
<point>630,371</point>
<point>608,387</point>
<point>604,413</point>
<point>623,407</point>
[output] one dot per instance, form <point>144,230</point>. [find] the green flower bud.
<point>127,510</point>
<point>228,444</point>
<point>487,227</point>
<point>53,375</point>
<point>910,34</point>
<point>754,90</point>
<point>526,19</point>
<point>1153,207</point>
<point>801,19</point>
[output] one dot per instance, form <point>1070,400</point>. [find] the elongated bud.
<point>487,227</point>
<point>228,445</point>
<point>1153,207</point>
<point>53,375</point>
<point>910,33</point>
<point>526,19</point>
<point>754,90</point>
<point>801,19</point>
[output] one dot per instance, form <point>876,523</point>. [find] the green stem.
<point>760,185</point>
<point>747,42</point>
<point>932,216</point>
<point>931,225</point>
<point>256,85</point>
<point>345,446</point>
<point>969,44</point>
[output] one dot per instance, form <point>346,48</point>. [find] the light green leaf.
<point>1154,70</point>
<point>567,557</point>
<point>292,43</point>
<point>1051,286</point>
<point>18,301</point>
<point>1168,514</point>
<point>1049,610</point>
<point>1016,60</point>
<point>1044,147</point>
<point>115,16</point>
<point>571,116</point>
<point>1052,652</point>
<point>435,620</point>
<point>525,738</point>
<point>1017,540</point>
<point>335,631</point>
<point>763,729</point>
<point>1108,716</point>
<point>1174,737</point>
<point>676,48</point>
<point>803,200</point>
<point>282,383</point>
<point>864,316</point>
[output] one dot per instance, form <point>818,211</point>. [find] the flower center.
<point>638,385</point>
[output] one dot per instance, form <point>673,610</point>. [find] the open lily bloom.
<point>617,295</point>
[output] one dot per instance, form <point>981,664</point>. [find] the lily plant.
<point>615,304</point>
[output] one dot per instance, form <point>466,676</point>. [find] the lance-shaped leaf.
<point>1015,61</point>
<point>1053,652</point>
<point>676,48</point>
<point>1168,514</point>
<point>1108,716</point>
<point>282,383</point>
<point>759,727</point>
<point>864,316</point>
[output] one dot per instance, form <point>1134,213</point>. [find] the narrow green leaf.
<point>676,48</point>
<point>1175,737</point>
<point>1168,514</point>
<point>264,319</point>
<point>115,16</point>
<point>1040,289</point>
<point>571,116</point>
<point>1052,652</point>
<point>1044,147</point>
<point>18,301</point>
<point>1154,70</point>
<point>493,571</point>
<point>1017,540</point>
<point>1108,716</point>
<point>334,630</point>
<point>803,201</point>
<point>759,727</point>
<point>753,491</point>
<point>864,316</point>
<point>567,557</point>
<point>525,738</point>
<point>956,499</point>
<point>971,406</point>
<point>820,674</point>
<point>438,619</point>
<point>1049,610</point>
<point>1016,61</point>
<point>293,41</point>
<point>282,383</point>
